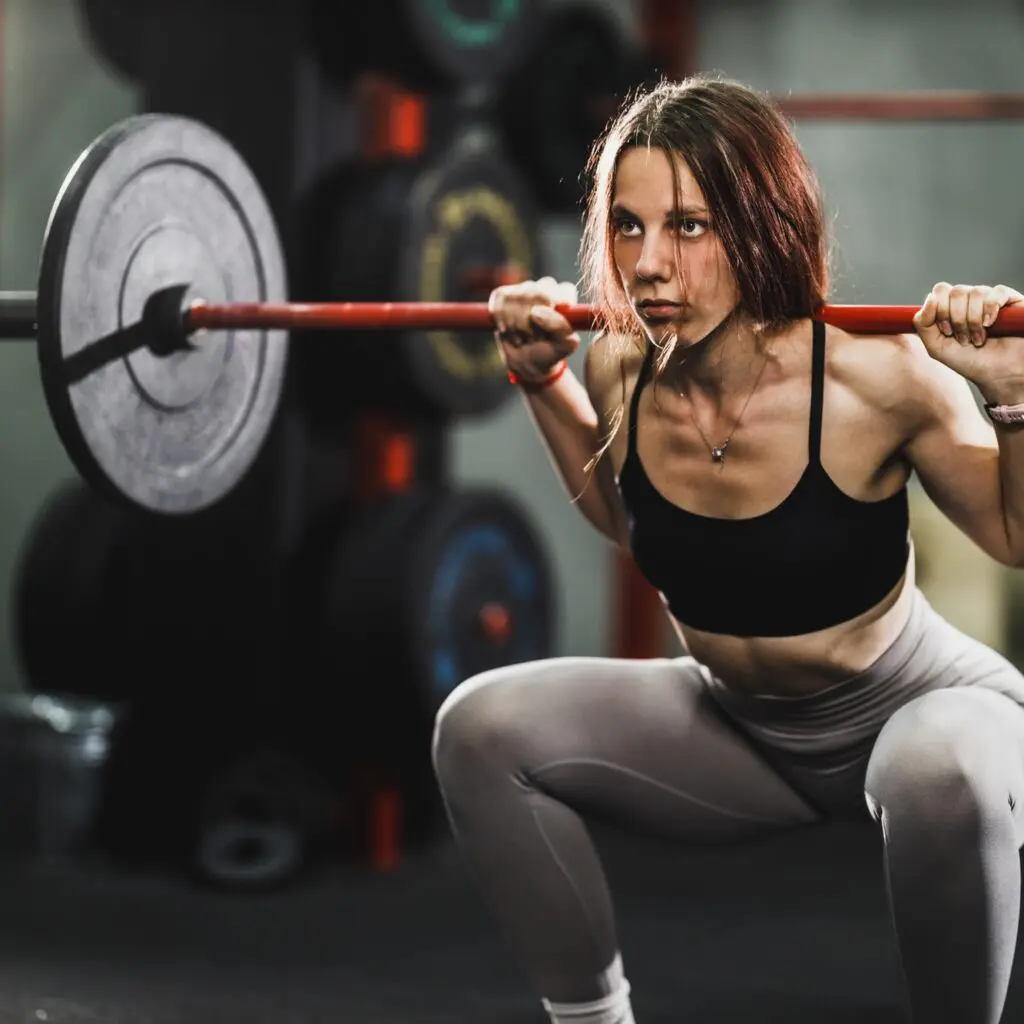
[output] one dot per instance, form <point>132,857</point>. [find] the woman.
<point>755,464</point>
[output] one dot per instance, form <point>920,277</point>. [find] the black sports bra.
<point>817,559</point>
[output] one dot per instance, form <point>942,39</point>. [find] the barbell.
<point>161,315</point>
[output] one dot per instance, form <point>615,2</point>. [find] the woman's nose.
<point>656,258</point>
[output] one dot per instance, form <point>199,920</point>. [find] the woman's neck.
<point>723,364</point>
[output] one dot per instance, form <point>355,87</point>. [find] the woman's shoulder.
<point>883,370</point>
<point>612,363</point>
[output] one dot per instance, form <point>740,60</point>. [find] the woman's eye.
<point>688,227</point>
<point>692,228</point>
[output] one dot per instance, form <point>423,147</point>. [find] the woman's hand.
<point>952,324</point>
<point>532,336</point>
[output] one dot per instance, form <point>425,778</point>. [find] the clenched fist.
<point>533,337</point>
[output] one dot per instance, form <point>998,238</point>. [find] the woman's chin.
<point>673,331</point>
<point>684,333</point>
<point>659,332</point>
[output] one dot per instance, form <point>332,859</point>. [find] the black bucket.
<point>53,752</point>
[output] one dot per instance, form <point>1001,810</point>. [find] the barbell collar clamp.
<point>165,317</point>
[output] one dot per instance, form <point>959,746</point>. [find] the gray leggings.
<point>929,741</point>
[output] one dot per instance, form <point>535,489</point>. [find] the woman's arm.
<point>973,473</point>
<point>574,432</point>
<point>966,471</point>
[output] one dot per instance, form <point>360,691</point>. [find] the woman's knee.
<point>931,759</point>
<point>485,722</point>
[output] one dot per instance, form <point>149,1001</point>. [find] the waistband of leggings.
<point>878,674</point>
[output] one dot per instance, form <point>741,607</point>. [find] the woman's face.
<point>669,259</point>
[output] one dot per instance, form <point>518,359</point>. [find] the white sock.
<point>613,1008</point>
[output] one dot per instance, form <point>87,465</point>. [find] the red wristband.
<point>544,382</point>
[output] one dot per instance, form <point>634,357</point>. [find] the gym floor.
<point>791,929</point>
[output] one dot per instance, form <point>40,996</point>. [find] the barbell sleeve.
<point>18,314</point>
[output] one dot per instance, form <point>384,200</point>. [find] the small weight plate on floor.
<point>242,853</point>
<point>259,820</point>
<point>447,584</point>
<point>159,203</point>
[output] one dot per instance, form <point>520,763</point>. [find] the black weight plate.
<point>410,589</point>
<point>579,69</point>
<point>352,229</point>
<point>188,606</point>
<point>116,30</point>
<point>472,42</point>
<point>57,617</point>
<point>428,45</point>
<point>474,551</point>
<point>154,203</point>
<point>416,234</point>
<point>364,639</point>
<point>469,212</point>
<point>113,604</point>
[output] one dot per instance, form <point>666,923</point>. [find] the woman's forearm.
<point>566,420</point>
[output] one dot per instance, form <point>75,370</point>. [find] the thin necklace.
<point>718,451</point>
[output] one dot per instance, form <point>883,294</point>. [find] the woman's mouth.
<point>658,312</point>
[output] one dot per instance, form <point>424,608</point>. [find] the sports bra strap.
<point>817,392</point>
<point>634,404</point>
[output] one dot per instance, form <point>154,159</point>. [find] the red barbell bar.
<point>475,316</point>
<point>932,105</point>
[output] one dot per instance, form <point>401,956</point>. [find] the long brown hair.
<point>762,196</point>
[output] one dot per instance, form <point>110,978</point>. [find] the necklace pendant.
<point>718,454</point>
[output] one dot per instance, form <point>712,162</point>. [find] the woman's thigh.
<point>635,743</point>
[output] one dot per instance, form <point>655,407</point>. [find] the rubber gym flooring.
<point>791,929</point>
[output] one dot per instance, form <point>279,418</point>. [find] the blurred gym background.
<point>254,695</point>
